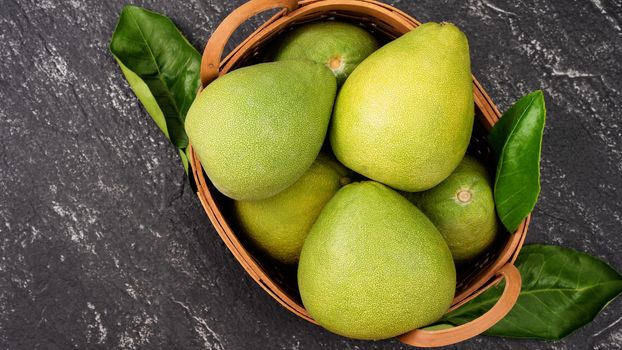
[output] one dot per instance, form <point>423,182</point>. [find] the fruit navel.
<point>335,63</point>
<point>464,196</point>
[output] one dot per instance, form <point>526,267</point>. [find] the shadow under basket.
<point>386,23</point>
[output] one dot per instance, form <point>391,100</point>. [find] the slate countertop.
<point>103,244</point>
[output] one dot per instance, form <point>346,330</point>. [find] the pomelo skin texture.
<point>404,116</point>
<point>338,45</point>
<point>373,266</point>
<point>463,209</point>
<point>257,129</point>
<point>279,225</point>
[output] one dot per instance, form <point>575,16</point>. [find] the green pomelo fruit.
<point>257,129</point>
<point>338,45</point>
<point>463,209</point>
<point>373,266</point>
<point>279,225</point>
<point>404,116</point>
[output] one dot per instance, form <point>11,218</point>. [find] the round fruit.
<point>257,129</point>
<point>279,225</point>
<point>373,266</point>
<point>463,209</point>
<point>404,116</point>
<point>340,46</point>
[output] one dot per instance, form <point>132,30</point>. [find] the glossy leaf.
<point>152,53</point>
<point>517,141</point>
<point>562,290</point>
<point>141,90</point>
<point>183,154</point>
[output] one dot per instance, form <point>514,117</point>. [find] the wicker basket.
<point>388,23</point>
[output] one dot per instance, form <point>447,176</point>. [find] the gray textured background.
<point>103,244</point>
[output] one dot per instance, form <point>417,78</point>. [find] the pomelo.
<point>257,129</point>
<point>463,209</point>
<point>373,266</point>
<point>279,225</point>
<point>405,114</point>
<point>338,45</point>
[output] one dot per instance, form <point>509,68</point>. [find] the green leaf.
<point>562,290</point>
<point>160,65</point>
<point>517,141</point>
<point>141,90</point>
<point>183,154</point>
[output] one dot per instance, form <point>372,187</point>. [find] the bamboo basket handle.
<point>210,62</point>
<point>429,339</point>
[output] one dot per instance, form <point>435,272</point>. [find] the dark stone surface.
<point>103,244</point>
